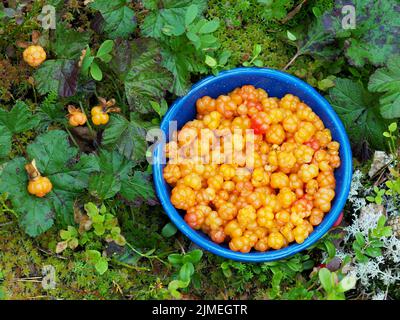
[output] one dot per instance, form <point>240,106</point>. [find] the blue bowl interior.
<point>277,84</point>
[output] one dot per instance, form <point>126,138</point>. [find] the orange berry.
<point>34,55</point>
<point>276,240</point>
<point>279,180</point>
<point>40,186</point>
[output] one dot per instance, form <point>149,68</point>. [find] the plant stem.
<point>72,137</point>
<point>298,53</point>
<point>93,132</point>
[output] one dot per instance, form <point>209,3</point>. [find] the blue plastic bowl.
<point>277,84</point>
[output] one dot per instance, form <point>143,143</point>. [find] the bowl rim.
<point>207,244</point>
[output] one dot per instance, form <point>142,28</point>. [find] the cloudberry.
<point>246,215</point>
<point>276,240</point>
<point>275,134</point>
<point>233,229</point>
<point>241,244</point>
<point>172,173</point>
<point>227,211</point>
<point>279,180</point>
<point>183,197</point>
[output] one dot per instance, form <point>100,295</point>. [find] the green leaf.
<point>37,215</point>
<point>104,186</point>
<point>127,137</point>
<point>387,81</point>
<point>210,61</point>
<point>347,283</point>
<point>69,43</point>
<point>174,285</point>
<point>195,255</point>
<point>274,9</point>
<point>373,252</point>
<point>119,18</point>
<point>330,248</point>
<point>105,48</point>
<point>5,141</point>
<point>51,112</point>
<point>325,277</point>
<point>223,58</point>
<point>161,109</point>
<point>144,78</point>
<point>171,12</point>
<point>18,120</point>
<point>59,76</point>
<point>138,187</point>
<point>169,230</point>
<point>360,239</point>
<point>101,265</point>
<point>115,177</point>
<point>258,63</point>
<point>209,26</point>
<point>317,42</point>
<point>186,271</point>
<point>291,36</point>
<point>175,258</point>
<point>96,72</point>
<point>93,256</point>
<point>56,160</point>
<point>359,112</point>
<point>65,234</point>
<point>191,14</point>
<point>393,127</point>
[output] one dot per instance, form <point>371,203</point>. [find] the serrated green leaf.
<point>59,76</point>
<point>104,186</point>
<point>114,170</point>
<point>69,43</point>
<point>127,137</point>
<point>56,160</point>
<point>171,12</point>
<point>119,18</point>
<point>137,187</point>
<point>37,215</point>
<point>19,119</point>
<point>359,111</point>
<point>5,141</point>
<point>146,80</point>
<point>387,81</point>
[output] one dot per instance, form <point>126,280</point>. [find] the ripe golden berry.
<point>99,116</point>
<point>34,55</point>
<point>40,186</point>
<point>183,197</point>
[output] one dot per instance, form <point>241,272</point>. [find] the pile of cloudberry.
<point>274,199</point>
